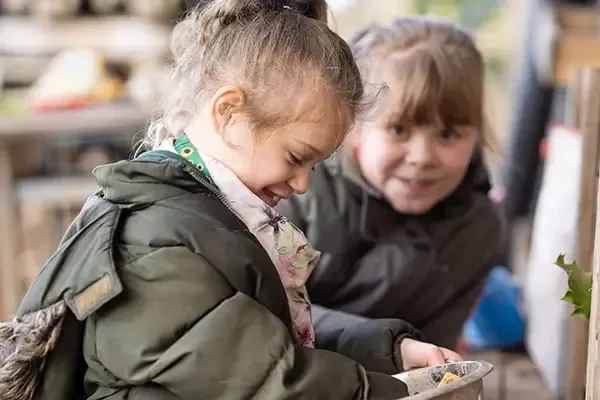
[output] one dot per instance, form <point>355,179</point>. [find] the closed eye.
<point>295,160</point>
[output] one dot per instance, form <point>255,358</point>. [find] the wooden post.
<point>574,46</point>
<point>10,280</point>
<point>591,123</point>
<point>585,100</point>
<point>593,361</point>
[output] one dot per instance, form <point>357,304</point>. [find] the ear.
<point>225,105</point>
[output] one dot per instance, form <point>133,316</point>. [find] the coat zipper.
<point>214,191</point>
<point>176,158</point>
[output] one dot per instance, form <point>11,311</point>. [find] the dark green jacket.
<point>377,263</point>
<point>170,297</point>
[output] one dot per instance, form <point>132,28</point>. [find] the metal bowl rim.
<point>484,368</point>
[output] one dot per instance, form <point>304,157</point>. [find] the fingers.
<point>441,355</point>
<point>450,355</point>
<point>436,356</point>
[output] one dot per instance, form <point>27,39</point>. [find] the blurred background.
<point>79,80</point>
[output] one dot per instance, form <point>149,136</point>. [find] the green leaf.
<point>568,296</point>
<point>581,312</point>
<point>284,250</point>
<point>579,292</point>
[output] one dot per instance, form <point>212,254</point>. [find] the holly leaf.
<point>579,292</point>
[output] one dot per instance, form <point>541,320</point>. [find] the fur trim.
<point>24,345</point>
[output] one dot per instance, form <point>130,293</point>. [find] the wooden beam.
<point>578,18</point>
<point>574,50</point>
<point>106,118</point>
<point>11,284</point>
<point>592,125</point>
<point>117,38</point>
<point>55,191</point>
<point>585,91</point>
<point>593,361</point>
<point>575,42</point>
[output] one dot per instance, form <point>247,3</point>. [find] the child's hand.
<point>417,354</point>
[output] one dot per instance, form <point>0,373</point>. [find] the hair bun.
<point>209,17</point>
<point>315,9</point>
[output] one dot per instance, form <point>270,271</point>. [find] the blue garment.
<point>497,322</point>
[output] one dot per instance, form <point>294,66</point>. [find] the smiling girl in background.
<point>402,216</point>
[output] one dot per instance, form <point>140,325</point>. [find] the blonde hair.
<point>280,53</point>
<point>435,66</point>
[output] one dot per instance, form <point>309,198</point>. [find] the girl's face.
<point>272,162</point>
<point>415,167</point>
<point>276,163</point>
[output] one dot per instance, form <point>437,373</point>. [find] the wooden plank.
<point>522,379</point>
<point>577,40</point>
<point>117,38</point>
<point>39,237</point>
<point>574,50</point>
<point>493,383</point>
<point>514,377</point>
<point>592,123</point>
<point>578,18</point>
<point>115,117</point>
<point>55,192</point>
<point>10,279</point>
<point>593,361</point>
<point>577,359</point>
<point>587,88</point>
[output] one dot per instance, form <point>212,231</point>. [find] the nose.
<point>420,151</point>
<point>299,182</point>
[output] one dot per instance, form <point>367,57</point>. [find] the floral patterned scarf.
<point>286,245</point>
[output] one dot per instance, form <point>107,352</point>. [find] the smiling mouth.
<point>416,184</point>
<point>270,198</point>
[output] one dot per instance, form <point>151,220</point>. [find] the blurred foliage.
<point>445,8</point>
<point>469,13</point>
<point>474,15</point>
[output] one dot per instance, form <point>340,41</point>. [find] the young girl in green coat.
<point>178,280</point>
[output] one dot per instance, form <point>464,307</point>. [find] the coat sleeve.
<point>181,326</point>
<point>446,328</point>
<point>426,277</point>
<point>374,343</point>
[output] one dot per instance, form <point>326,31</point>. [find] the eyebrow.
<point>310,148</point>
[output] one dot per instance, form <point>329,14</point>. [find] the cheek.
<point>377,158</point>
<point>273,169</point>
<point>456,160</point>
<point>255,169</point>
